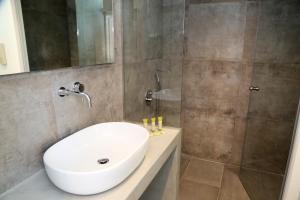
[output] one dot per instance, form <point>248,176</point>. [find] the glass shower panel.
<point>273,99</point>
<point>153,53</point>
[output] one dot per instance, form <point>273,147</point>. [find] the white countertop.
<point>38,186</point>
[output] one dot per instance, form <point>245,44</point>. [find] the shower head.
<point>157,80</point>
<point>157,77</point>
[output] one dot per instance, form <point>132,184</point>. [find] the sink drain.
<point>103,161</point>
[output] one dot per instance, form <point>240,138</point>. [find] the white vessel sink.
<point>96,158</point>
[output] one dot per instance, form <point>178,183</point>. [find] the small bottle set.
<point>154,130</point>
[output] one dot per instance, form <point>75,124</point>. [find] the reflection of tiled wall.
<point>33,117</point>
<point>216,77</point>
<point>153,41</point>
<point>276,71</point>
<point>46,30</point>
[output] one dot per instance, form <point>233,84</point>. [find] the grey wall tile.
<point>207,135</point>
<point>211,86</point>
<point>237,143</point>
<point>153,29</point>
<point>173,32</point>
<point>252,13</point>
<point>242,102</point>
<point>133,23</point>
<point>27,127</point>
<point>279,91</point>
<point>142,30</point>
<point>215,31</point>
<point>170,72</point>
<point>278,32</point>
<point>267,144</point>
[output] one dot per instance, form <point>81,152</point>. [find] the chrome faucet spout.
<point>87,97</point>
<point>77,90</point>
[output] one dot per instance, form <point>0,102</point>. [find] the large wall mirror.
<point>50,34</point>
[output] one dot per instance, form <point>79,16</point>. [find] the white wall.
<point>292,185</point>
<point>11,36</point>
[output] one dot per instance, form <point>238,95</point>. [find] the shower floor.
<point>206,180</point>
<point>261,185</point>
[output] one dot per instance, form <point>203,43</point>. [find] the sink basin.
<point>96,158</point>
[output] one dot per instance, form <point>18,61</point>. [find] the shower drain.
<point>103,161</point>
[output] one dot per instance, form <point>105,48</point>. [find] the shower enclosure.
<point>268,56</point>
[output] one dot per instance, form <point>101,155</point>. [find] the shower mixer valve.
<point>148,97</point>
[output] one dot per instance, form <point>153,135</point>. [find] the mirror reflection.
<point>53,34</point>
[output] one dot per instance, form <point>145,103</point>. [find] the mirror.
<point>50,34</point>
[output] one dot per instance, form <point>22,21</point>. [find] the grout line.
<point>261,171</point>
<point>181,178</point>
<point>222,177</point>
<point>190,160</point>
<point>211,161</point>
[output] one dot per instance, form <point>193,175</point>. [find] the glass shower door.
<point>274,97</point>
<point>152,59</point>
<point>270,122</point>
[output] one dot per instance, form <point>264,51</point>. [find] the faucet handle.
<point>62,92</point>
<point>78,87</point>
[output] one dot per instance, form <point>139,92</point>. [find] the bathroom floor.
<point>206,180</point>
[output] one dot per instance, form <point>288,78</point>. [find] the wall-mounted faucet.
<point>77,90</point>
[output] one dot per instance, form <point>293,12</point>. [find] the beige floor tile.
<point>204,172</point>
<point>232,188</point>
<point>196,191</point>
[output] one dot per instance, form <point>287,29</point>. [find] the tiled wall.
<point>216,77</point>
<point>33,117</point>
<point>153,41</point>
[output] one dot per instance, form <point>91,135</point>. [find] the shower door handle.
<point>253,88</point>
